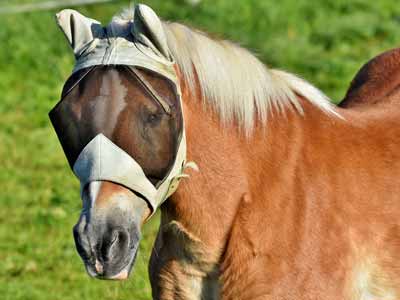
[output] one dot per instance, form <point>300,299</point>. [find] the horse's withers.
<point>121,127</point>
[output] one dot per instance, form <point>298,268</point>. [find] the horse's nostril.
<point>115,245</point>
<point>114,237</point>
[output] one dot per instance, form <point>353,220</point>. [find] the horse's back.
<point>363,181</point>
<point>376,82</point>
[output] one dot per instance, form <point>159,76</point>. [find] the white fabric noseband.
<point>101,159</point>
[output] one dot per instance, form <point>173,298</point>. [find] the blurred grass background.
<point>324,41</point>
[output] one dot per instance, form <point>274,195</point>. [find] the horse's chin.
<point>95,271</point>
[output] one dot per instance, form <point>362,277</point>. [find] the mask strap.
<point>147,86</point>
<point>85,73</point>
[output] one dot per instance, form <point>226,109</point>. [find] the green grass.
<point>324,41</point>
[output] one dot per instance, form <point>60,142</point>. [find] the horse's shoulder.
<point>378,81</point>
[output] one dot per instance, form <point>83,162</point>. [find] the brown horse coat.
<point>304,209</point>
<point>376,82</point>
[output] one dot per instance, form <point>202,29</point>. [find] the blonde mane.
<point>233,81</point>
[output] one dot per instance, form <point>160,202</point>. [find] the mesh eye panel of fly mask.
<point>134,45</point>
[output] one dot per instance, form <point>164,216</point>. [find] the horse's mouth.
<point>103,271</point>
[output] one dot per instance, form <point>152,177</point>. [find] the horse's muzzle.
<point>109,254</point>
<point>107,234</point>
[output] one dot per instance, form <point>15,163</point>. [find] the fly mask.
<point>138,43</point>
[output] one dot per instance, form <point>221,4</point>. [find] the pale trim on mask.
<point>102,160</point>
<point>120,51</point>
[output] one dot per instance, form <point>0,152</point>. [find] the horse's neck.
<point>228,201</point>
<point>205,203</point>
<point>231,170</point>
<point>196,220</point>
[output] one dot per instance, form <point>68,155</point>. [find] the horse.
<point>290,197</point>
<point>376,82</point>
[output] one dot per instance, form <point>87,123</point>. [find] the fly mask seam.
<point>147,86</point>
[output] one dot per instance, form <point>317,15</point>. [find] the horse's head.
<point>121,127</point>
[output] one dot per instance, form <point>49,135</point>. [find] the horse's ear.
<point>148,29</point>
<point>79,30</point>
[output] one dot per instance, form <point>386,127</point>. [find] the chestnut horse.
<point>294,198</point>
<point>376,82</point>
